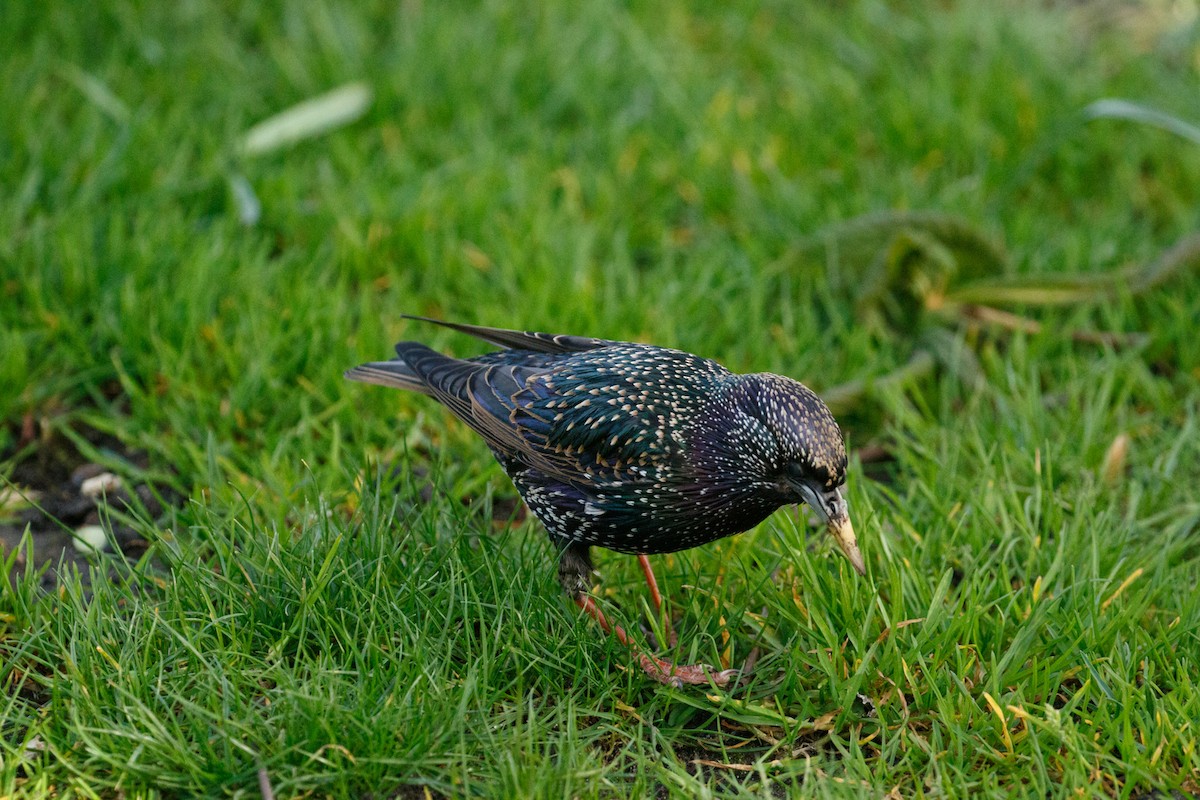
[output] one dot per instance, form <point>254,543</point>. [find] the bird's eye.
<point>794,469</point>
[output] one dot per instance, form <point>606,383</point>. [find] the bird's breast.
<point>640,517</point>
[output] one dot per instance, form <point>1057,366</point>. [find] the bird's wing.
<point>481,393</point>
<point>522,340</point>
<point>619,415</point>
<point>547,417</point>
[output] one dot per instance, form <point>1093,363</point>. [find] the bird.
<point>635,448</point>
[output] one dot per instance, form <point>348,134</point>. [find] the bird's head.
<point>805,453</point>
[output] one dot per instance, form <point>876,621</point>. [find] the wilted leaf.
<point>1116,108</point>
<point>308,119</point>
<point>1114,460</point>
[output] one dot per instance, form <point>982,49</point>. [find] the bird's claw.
<point>679,675</point>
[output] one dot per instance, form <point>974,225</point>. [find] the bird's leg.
<point>662,671</point>
<point>656,668</point>
<point>574,567</point>
<point>656,600</point>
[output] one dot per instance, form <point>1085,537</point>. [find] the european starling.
<point>636,448</point>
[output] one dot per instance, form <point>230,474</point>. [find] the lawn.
<point>326,589</point>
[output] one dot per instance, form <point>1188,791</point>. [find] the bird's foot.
<point>676,675</point>
<point>679,675</point>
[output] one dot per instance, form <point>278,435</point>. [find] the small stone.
<point>90,539</point>
<point>104,483</point>
<point>34,748</point>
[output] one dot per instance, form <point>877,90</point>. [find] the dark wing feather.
<point>395,374</point>
<point>616,415</point>
<point>591,417</point>
<point>445,378</point>
<point>521,414</point>
<point>522,340</point>
<point>481,395</point>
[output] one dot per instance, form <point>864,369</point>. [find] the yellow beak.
<point>843,533</point>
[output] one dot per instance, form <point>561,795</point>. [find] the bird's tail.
<point>395,374</point>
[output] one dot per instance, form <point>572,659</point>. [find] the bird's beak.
<point>843,533</point>
<point>831,507</point>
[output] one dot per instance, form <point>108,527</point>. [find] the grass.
<point>341,611</point>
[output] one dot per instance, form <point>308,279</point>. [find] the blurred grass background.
<point>660,171</point>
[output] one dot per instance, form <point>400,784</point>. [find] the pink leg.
<point>663,672</point>
<point>656,599</point>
